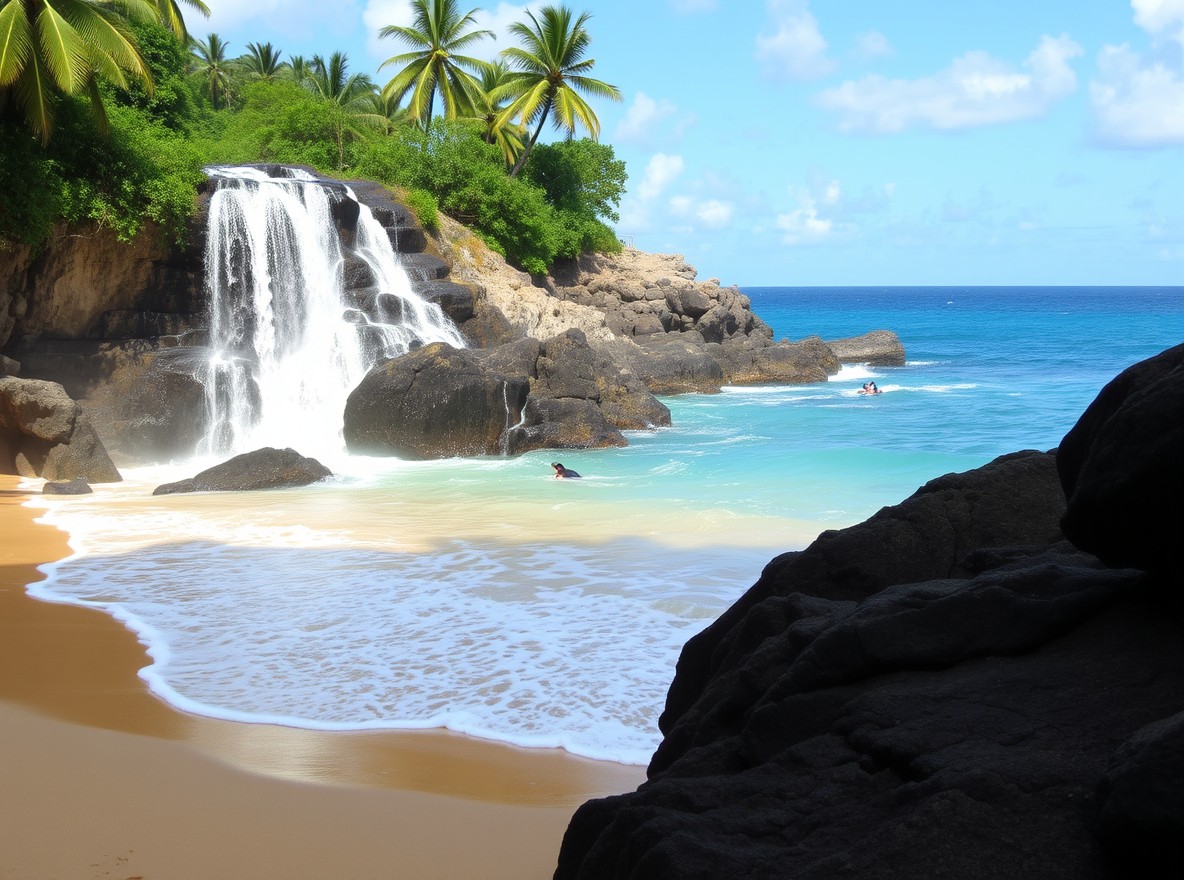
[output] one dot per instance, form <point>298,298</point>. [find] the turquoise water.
<point>483,596</point>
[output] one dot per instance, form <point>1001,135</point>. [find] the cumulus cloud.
<point>660,171</point>
<point>710,213</point>
<point>642,116</point>
<point>1137,98</point>
<point>793,48</point>
<point>975,90</point>
<point>822,211</point>
<point>1161,17</point>
<point>1137,103</point>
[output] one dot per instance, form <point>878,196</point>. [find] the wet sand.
<point>102,779</point>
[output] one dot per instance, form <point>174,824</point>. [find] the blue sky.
<point>851,142</point>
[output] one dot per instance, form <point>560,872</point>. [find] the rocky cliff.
<point>953,688</point>
<point>122,327</point>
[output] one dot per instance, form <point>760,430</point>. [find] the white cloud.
<point>975,90</point>
<point>822,211</point>
<point>1137,104</point>
<point>795,48</point>
<point>714,213</point>
<point>642,116</point>
<point>1161,17</point>
<point>660,171</point>
<point>872,45</point>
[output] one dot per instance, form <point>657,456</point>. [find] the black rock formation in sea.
<point>953,688</point>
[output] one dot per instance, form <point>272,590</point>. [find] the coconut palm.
<point>350,96</point>
<point>439,33</point>
<point>262,61</point>
<point>170,15</point>
<point>210,62</point>
<point>550,75</point>
<point>50,48</point>
<point>498,128</point>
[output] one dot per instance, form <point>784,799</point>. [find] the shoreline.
<point>93,761</point>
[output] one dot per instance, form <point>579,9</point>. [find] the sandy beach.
<point>102,779</point>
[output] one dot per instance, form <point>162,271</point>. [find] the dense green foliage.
<point>200,106</point>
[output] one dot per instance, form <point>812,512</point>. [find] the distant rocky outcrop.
<point>44,433</point>
<point>266,468</point>
<point>949,689</point>
<point>879,348</point>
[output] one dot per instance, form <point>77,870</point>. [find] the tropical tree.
<point>550,76</point>
<point>170,15</point>
<point>497,128</point>
<point>437,36</point>
<point>62,47</point>
<point>299,69</point>
<point>212,65</point>
<point>349,94</point>
<point>262,61</point>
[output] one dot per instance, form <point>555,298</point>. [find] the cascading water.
<point>288,340</point>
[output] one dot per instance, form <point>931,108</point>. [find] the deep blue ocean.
<point>483,596</point>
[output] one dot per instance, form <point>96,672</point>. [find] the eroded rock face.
<point>44,433</point>
<point>436,402</point>
<point>948,689</point>
<point>266,468</point>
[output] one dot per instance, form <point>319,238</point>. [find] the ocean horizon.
<point>483,596</point>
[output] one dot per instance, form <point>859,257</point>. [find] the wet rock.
<point>77,486</point>
<point>46,434</point>
<point>266,468</point>
<point>437,402</point>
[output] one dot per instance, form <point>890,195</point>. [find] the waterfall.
<point>289,338</point>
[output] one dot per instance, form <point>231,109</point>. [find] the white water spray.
<point>288,340</point>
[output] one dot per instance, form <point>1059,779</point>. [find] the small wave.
<point>852,372</point>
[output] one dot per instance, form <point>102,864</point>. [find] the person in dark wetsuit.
<point>562,473</point>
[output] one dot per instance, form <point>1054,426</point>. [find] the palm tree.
<point>210,61</point>
<point>262,61</point>
<point>299,69</point>
<point>550,75</point>
<point>438,34</point>
<point>170,15</point>
<point>498,129</point>
<point>388,112</point>
<point>54,47</point>
<point>349,95</point>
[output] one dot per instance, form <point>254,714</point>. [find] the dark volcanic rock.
<point>567,367</point>
<point>265,468</point>
<point>1122,466</point>
<point>945,690</point>
<point>436,402</point>
<point>44,433</point>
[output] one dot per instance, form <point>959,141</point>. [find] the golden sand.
<point>102,779</point>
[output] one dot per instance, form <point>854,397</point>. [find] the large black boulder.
<point>266,468</point>
<point>949,689</point>
<point>1122,467</point>
<point>435,402</point>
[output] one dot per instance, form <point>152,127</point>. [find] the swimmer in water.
<point>562,473</point>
